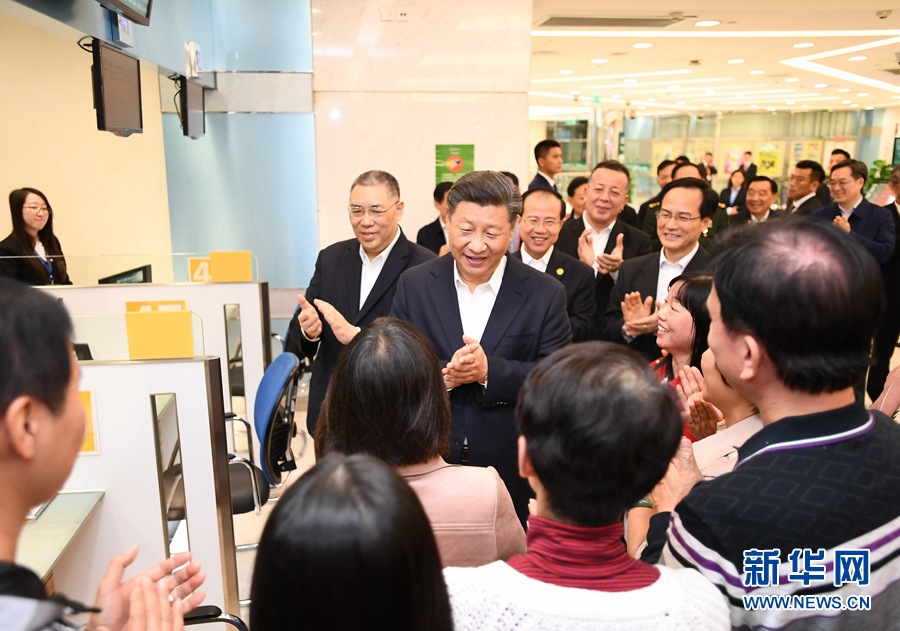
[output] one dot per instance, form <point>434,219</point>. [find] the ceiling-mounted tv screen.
<point>138,11</point>
<point>117,90</point>
<point>193,109</point>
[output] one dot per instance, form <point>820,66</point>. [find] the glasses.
<point>840,183</point>
<point>663,216</point>
<point>37,209</point>
<point>614,193</point>
<point>375,212</point>
<point>548,222</point>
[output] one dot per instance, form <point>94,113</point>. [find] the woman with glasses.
<point>32,253</point>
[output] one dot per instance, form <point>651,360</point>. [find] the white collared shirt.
<point>444,230</point>
<point>797,203</point>
<point>600,239</point>
<point>669,270</point>
<point>371,269</point>
<point>538,264</point>
<point>475,306</point>
<point>846,213</point>
<point>753,218</point>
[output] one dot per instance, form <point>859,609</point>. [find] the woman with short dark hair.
<point>348,547</point>
<point>387,398</point>
<point>31,253</point>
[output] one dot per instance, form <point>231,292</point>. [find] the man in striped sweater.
<point>805,532</point>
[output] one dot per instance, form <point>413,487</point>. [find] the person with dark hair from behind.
<point>596,434</point>
<point>31,253</point>
<point>387,399</point>
<point>811,505</point>
<point>576,192</point>
<point>873,226</point>
<point>348,547</point>
<point>688,205</point>
<point>806,178</point>
<point>824,191</point>
<point>549,158</point>
<point>539,227</point>
<point>434,235</point>
<point>762,194</point>
<point>42,425</point>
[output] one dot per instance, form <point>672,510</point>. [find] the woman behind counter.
<point>40,259</point>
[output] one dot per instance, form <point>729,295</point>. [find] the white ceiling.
<point>687,69</point>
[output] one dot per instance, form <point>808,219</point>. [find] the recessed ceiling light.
<point>735,61</point>
<point>574,92</point>
<point>566,72</point>
<point>600,60</point>
<point>854,105</point>
<point>791,102</point>
<point>896,96</point>
<point>846,102</point>
<point>630,81</point>
<point>757,72</point>
<point>806,105</point>
<point>857,58</point>
<point>615,96</point>
<point>754,106</point>
<point>804,45</point>
<point>650,100</point>
<point>679,102</point>
<point>673,88</point>
<point>771,109</point>
<point>643,45</point>
<point>870,108</point>
<point>843,89</point>
<point>707,23</point>
<point>710,92</point>
<point>821,85</point>
<point>642,107</point>
<point>791,80</point>
<point>706,105</point>
<point>862,94</point>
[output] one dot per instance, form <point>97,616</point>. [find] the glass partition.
<point>173,505</point>
<point>106,337</point>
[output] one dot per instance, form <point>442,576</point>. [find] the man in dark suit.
<point>433,236</point>
<point>889,330</point>
<point>600,239</point>
<point>490,318</point>
<point>647,210</point>
<point>354,281</point>
<point>762,193</point>
<point>806,178</point>
<point>748,166</point>
<point>686,210</point>
<point>871,225</point>
<point>539,228</point>
<point>707,169</point>
<point>549,158</point>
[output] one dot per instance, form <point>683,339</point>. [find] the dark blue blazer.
<point>528,322</point>
<point>431,236</point>
<point>540,181</point>
<point>871,225</point>
<point>578,281</point>
<point>336,280</point>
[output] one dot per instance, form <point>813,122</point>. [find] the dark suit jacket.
<point>823,193</point>
<point>813,203</point>
<point>871,225</point>
<point>742,218</point>
<point>23,269</point>
<point>640,274</point>
<point>635,243</point>
<point>528,322</point>
<point>749,171</point>
<point>336,280</point>
<point>739,201</point>
<point>431,236</point>
<point>540,181</point>
<point>578,281</point>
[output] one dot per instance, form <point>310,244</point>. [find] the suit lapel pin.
<point>560,271</point>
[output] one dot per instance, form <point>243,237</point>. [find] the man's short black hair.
<point>574,184</point>
<point>840,152</point>
<point>858,169</point>
<point>543,148</point>
<point>762,178</point>
<point>613,165</point>
<point>35,338</point>
<point>683,165</point>
<point>662,165</point>
<point>816,172</point>
<point>600,430</point>
<point>810,294</point>
<point>546,191</point>
<point>441,190</point>
<point>710,202</point>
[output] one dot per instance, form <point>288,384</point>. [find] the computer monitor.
<point>137,275</point>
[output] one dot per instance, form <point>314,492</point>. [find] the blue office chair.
<point>273,414</point>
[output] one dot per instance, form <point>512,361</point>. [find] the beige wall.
<point>108,193</point>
